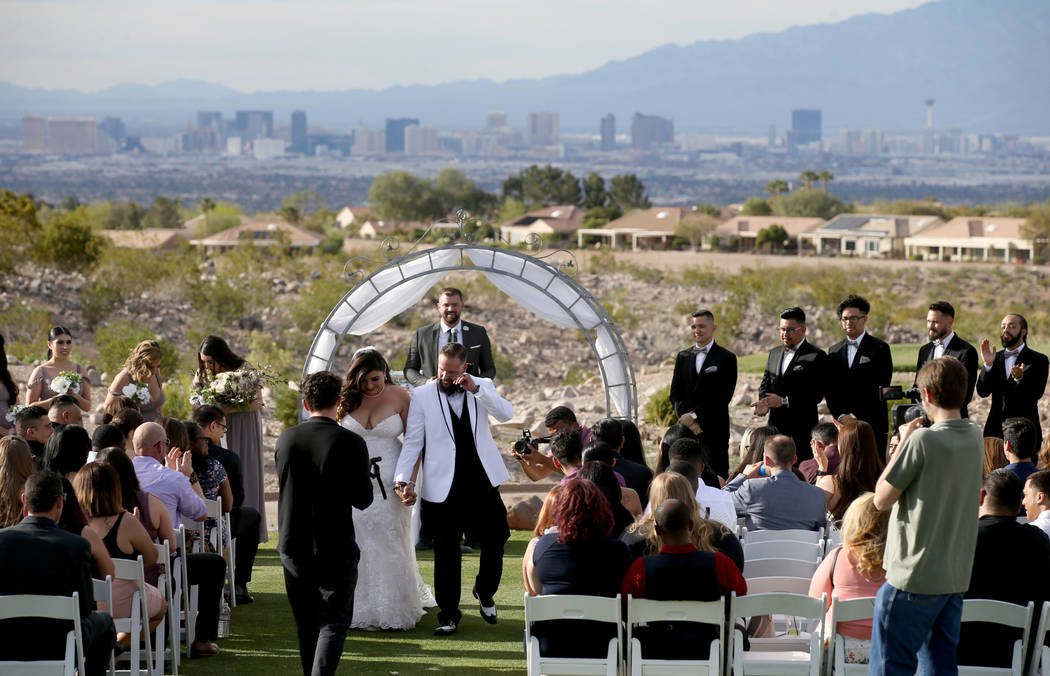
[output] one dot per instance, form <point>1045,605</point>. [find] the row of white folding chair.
<point>54,608</point>
<point>784,549</point>
<point>222,531</point>
<point>138,624</point>
<point>802,654</point>
<point>572,607</point>
<point>780,567</point>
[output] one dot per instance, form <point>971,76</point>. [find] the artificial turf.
<point>262,636</point>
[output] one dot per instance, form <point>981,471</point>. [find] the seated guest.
<point>106,436</point>
<point>771,497</point>
<point>114,406</point>
<point>38,557</point>
<point>64,410</point>
<point>637,475</point>
<point>602,476</point>
<point>244,520</point>
<point>1037,500</point>
<point>679,572</point>
<point>580,558</point>
<point>538,464</point>
<point>859,468</point>
<point>179,489</point>
<point>855,570</point>
<point>688,471</point>
<point>544,525</point>
<point>567,453</point>
<point>994,458</point>
<point>1004,549</point>
<point>214,482</point>
<point>714,503</point>
<point>823,439</point>
<point>16,464</point>
<point>98,490</point>
<point>632,448</point>
<point>599,451</point>
<point>641,537</point>
<point>673,434</point>
<point>128,420</point>
<point>751,451</point>
<point>1019,446</point>
<point>31,424</point>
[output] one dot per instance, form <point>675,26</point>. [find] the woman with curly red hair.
<point>579,557</point>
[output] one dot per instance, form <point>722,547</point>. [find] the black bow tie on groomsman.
<point>1011,353</point>
<point>701,350</point>
<point>853,343</point>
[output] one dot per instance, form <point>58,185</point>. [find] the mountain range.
<point>985,62</point>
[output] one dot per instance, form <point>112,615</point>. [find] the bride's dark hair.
<point>363,362</point>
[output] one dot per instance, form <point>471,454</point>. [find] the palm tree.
<point>207,205</point>
<point>826,176</point>
<point>807,177</point>
<point>777,187</point>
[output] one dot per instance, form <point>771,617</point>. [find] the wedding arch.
<point>535,283</point>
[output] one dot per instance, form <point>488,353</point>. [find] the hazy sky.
<point>253,45</point>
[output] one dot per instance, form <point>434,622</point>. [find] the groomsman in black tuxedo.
<point>1015,377</point>
<point>702,385</point>
<point>858,367</point>
<point>793,383</point>
<point>944,342</point>
<point>427,341</point>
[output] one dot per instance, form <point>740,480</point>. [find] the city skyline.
<point>235,45</point>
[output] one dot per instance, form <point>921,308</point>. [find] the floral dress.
<point>211,481</point>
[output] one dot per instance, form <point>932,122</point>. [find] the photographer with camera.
<point>539,465</point>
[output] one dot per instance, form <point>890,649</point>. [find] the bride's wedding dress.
<point>390,592</point>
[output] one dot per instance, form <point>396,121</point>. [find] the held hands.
<point>987,352</point>
<point>767,402</point>
<point>407,493</point>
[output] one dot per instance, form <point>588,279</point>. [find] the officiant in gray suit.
<point>421,364</point>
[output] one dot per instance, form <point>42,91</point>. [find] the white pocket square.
<point>797,367</point>
<point>475,347</point>
<point>865,360</point>
<point>710,369</point>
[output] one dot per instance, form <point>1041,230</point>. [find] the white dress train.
<point>390,591</point>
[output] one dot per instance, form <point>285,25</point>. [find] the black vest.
<point>469,474</point>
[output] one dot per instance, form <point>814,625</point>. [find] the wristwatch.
<point>821,472</point>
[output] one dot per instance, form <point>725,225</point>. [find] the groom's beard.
<point>451,388</point>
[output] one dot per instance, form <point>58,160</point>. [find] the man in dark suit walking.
<point>421,363</point>
<point>702,386</point>
<point>323,473</point>
<point>858,367</point>
<point>1015,378</point>
<point>944,342</point>
<point>38,557</point>
<point>793,382</point>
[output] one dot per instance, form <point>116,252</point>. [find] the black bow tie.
<point>701,350</point>
<point>853,343</point>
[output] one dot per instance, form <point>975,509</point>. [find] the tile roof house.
<point>867,235</point>
<point>348,216</point>
<point>557,223</point>
<point>261,232</point>
<point>973,238</point>
<point>745,229</point>
<point>644,226</point>
<point>374,228</point>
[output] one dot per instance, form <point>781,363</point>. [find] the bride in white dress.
<point>390,592</point>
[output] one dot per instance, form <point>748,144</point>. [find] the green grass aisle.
<point>262,640</point>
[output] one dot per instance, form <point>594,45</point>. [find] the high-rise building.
<point>395,132</point>
<point>115,129</point>
<point>649,131</point>
<point>34,134</point>
<point>73,137</point>
<point>542,129</point>
<point>209,119</point>
<point>609,132</point>
<point>929,143</point>
<point>772,140</point>
<point>300,141</point>
<point>805,127</point>
<point>369,141</point>
<point>421,140</point>
<point>253,124</point>
<point>496,119</point>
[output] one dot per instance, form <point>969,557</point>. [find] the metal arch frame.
<point>584,295</point>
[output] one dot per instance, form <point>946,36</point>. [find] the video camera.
<point>528,443</point>
<point>902,414</point>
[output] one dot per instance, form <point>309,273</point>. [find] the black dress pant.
<point>322,612</point>
<point>208,572</point>
<point>244,522</point>
<point>482,511</point>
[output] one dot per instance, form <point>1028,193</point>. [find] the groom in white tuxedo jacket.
<point>461,473</point>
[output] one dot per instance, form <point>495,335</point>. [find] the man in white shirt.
<point>714,503</point>
<point>1037,500</point>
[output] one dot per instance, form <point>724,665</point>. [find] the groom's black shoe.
<point>488,607</point>
<point>447,625</point>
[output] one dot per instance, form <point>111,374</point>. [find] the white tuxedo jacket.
<point>430,423</point>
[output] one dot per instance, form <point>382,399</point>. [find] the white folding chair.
<point>1006,614</point>
<point>643,611</point>
<point>783,549</point>
<point>138,623</point>
<point>54,608</point>
<point>164,584</point>
<point>231,558</point>
<point>778,567</point>
<point>769,585</point>
<point>1040,639</point>
<point>183,592</point>
<point>776,656</point>
<point>572,607</point>
<point>832,539</point>
<point>103,590</point>
<point>213,511</point>
<point>849,610</point>
<point>811,536</point>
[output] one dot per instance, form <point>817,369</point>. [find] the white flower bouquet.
<point>138,392</point>
<point>12,411</point>
<point>66,382</point>
<point>232,389</point>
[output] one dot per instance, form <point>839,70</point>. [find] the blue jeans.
<point>912,630</point>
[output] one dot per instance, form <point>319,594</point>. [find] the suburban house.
<point>374,228</point>
<point>973,238</point>
<point>348,216</point>
<point>744,229</point>
<point>866,235</point>
<point>158,239</point>
<point>261,232</point>
<point>553,224</point>
<point>651,228</point>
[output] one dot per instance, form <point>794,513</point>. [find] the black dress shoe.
<point>464,549</point>
<point>447,627</point>
<point>424,544</point>
<point>488,607</point>
<point>244,596</point>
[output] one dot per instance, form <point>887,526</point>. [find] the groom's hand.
<point>407,494</point>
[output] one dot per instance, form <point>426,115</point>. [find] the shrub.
<point>25,328</point>
<point>115,342</point>
<point>67,241</point>
<point>331,245</point>
<point>659,411</point>
<point>177,390</point>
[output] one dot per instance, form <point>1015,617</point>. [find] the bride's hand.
<point>408,496</point>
